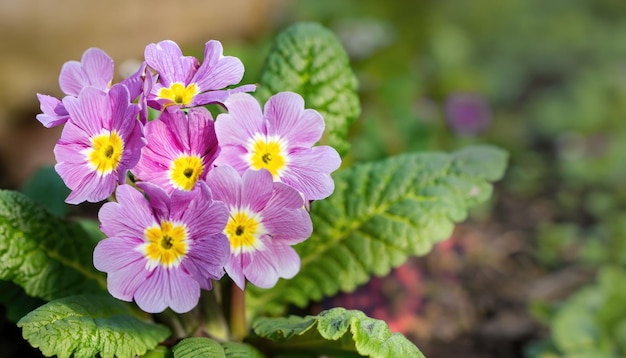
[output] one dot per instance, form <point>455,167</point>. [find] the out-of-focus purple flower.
<point>280,140</point>
<point>183,82</point>
<point>467,114</point>
<point>266,218</point>
<point>162,250</point>
<point>94,70</point>
<point>100,142</point>
<point>180,150</point>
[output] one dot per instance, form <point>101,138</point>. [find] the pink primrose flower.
<point>281,140</point>
<point>100,142</point>
<point>162,250</point>
<point>183,82</point>
<point>180,151</point>
<point>266,218</point>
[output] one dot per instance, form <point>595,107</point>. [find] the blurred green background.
<point>540,270</point>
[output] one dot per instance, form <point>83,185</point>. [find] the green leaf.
<point>44,254</point>
<point>88,325</point>
<point>198,347</point>
<point>47,188</point>
<point>308,59</point>
<point>240,350</point>
<point>335,332</point>
<point>205,347</point>
<point>380,214</point>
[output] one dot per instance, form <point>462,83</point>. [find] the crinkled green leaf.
<point>335,332</point>
<point>89,325</point>
<point>44,254</point>
<point>240,350</point>
<point>198,347</point>
<point>205,347</point>
<point>47,188</point>
<point>308,59</point>
<point>380,214</point>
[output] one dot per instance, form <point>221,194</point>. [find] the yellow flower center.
<point>270,154</point>
<point>243,231</point>
<point>167,244</point>
<point>185,171</point>
<point>105,152</point>
<point>178,93</point>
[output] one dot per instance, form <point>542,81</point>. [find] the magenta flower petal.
<point>265,218</point>
<point>234,269</point>
<point>162,249</point>
<point>201,266</point>
<point>54,113</point>
<point>288,118</point>
<point>117,255</point>
<point>168,288</point>
<point>95,69</point>
<point>123,282</point>
<point>314,181</point>
<point>128,216</point>
<point>180,150</point>
<point>217,71</point>
<point>219,96</point>
<point>168,61</point>
<point>282,217</point>
<point>257,189</point>
<point>266,267</point>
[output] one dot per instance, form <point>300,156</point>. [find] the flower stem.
<point>238,323</point>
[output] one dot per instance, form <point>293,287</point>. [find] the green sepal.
<point>335,332</point>
<point>308,59</point>
<point>89,325</point>
<point>47,256</point>
<point>380,214</point>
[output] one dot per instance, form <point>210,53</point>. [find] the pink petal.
<point>234,269</point>
<point>225,184</point>
<point>90,110</point>
<point>54,113</point>
<point>243,120</point>
<point>217,71</point>
<point>267,266</point>
<point>168,61</point>
<point>287,118</point>
<point>124,283</point>
<point>309,171</point>
<point>257,189</point>
<point>129,217</point>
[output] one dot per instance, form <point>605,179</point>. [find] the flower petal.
<point>129,217</point>
<point>168,61</point>
<point>217,71</point>
<point>243,120</point>
<point>54,113</point>
<point>288,119</point>
<point>309,171</point>
<point>257,189</point>
<point>267,266</point>
<point>95,69</point>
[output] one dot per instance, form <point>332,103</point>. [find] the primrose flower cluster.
<point>194,197</point>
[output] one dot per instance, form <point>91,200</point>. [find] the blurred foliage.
<point>591,323</point>
<point>549,79</point>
